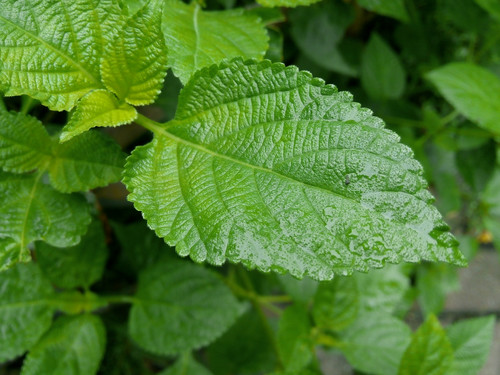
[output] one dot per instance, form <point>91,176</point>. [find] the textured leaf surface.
<point>294,339</point>
<point>180,306</point>
<point>471,341</point>
<point>25,313</point>
<point>472,90</point>
<point>73,346</point>
<point>197,38</point>
<point>31,210</point>
<point>382,75</point>
<point>375,343</point>
<point>11,253</point>
<point>86,162</point>
<point>50,49</point>
<point>186,365</point>
<point>391,8</point>
<point>98,108</point>
<point>24,143</point>
<point>268,166</point>
<point>136,61</point>
<point>430,351</point>
<point>85,261</point>
<point>286,3</point>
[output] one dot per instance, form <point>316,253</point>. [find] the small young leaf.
<point>186,365</point>
<point>135,63</point>
<point>336,303</point>
<point>375,343</point>
<point>197,38</point>
<point>31,210</point>
<point>73,346</point>
<point>471,341</point>
<point>24,143</point>
<point>472,90</point>
<point>50,50</point>
<point>180,306</point>
<point>270,167</point>
<point>85,261</point>
<point>391,8</point>
<point>286,3</point>
<point>86,162</point>
<point>98,108</point>
<point>25,313</point>
<point>430,351</point>
<point>382,74</point>
<point>294,339</point>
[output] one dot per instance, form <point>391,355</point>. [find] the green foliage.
<point>186,365</point>
<point>391,8</point>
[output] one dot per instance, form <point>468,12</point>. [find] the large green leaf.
<point>25,310</point>
<point>51,49</point>
<point>197,38</point>
<point>382,75</point>
<point>268,166</point>
<point>180,306</point>
<point>135,63</point>
<point>375,343</point>
<point>430,351</point>
<point>391,8</point>
<point>77,266</point>
<point>73,346</point>
<point>471,341</point>
<point>472,90</point>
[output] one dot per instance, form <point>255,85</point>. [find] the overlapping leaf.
<point>286,3</point>
<point>25,312</point>
<point>268,166</point>
<point>391,8</point>
<point>197,38</point>
<point>73,346</point>
<point>180,306</point>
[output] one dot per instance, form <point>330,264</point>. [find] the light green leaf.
<point>186,365</point>
<point>382,75</point>
<point>434,282</point>
<point>294,339</point>
<point>73,346</point>
<point>135,63</point>
<point>375,343</point>
<point>31,210</point>
<point>25,311</point>
<point>471,341</point>
<point>336,303</point>
<point>391,8</point>
<point>490,199</point>
<point>50,49</point>
<point>491,6</point>
<point>197,38</point>
<point>430,351</point>
<point>98,108</point>
<point>245,349</point>
<point>86,162</point>
<point>472,90</point>
<point>300,290</point>
<point>180,306</point>
<point>282,172</point>
<point>318,29</point>
<point>11,253</point>
<point>24,143</point>
<point>85,261</point>
<point>286,3</point>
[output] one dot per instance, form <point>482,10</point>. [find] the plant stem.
<point>147,123</point>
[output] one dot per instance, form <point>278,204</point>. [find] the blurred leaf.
<point>294,338</point>
<point>434,282</point>
<point>375,343</point>
<point>471,340</point>
<point>25,309</point>
<point>73,346</point>
<point>382,75</point>
<point>391,8</point>
<point>490,199</point>
<point>77,266</point>
<point>492,6</point>
<point>180,306</point>
<point>472,90</point>
<point>186,365</point>
<point>429,352</point>
<point>300,290</point>
<point>286,3</point>
<point>477,165</point>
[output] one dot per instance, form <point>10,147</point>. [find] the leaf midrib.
<point>55,50</point>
